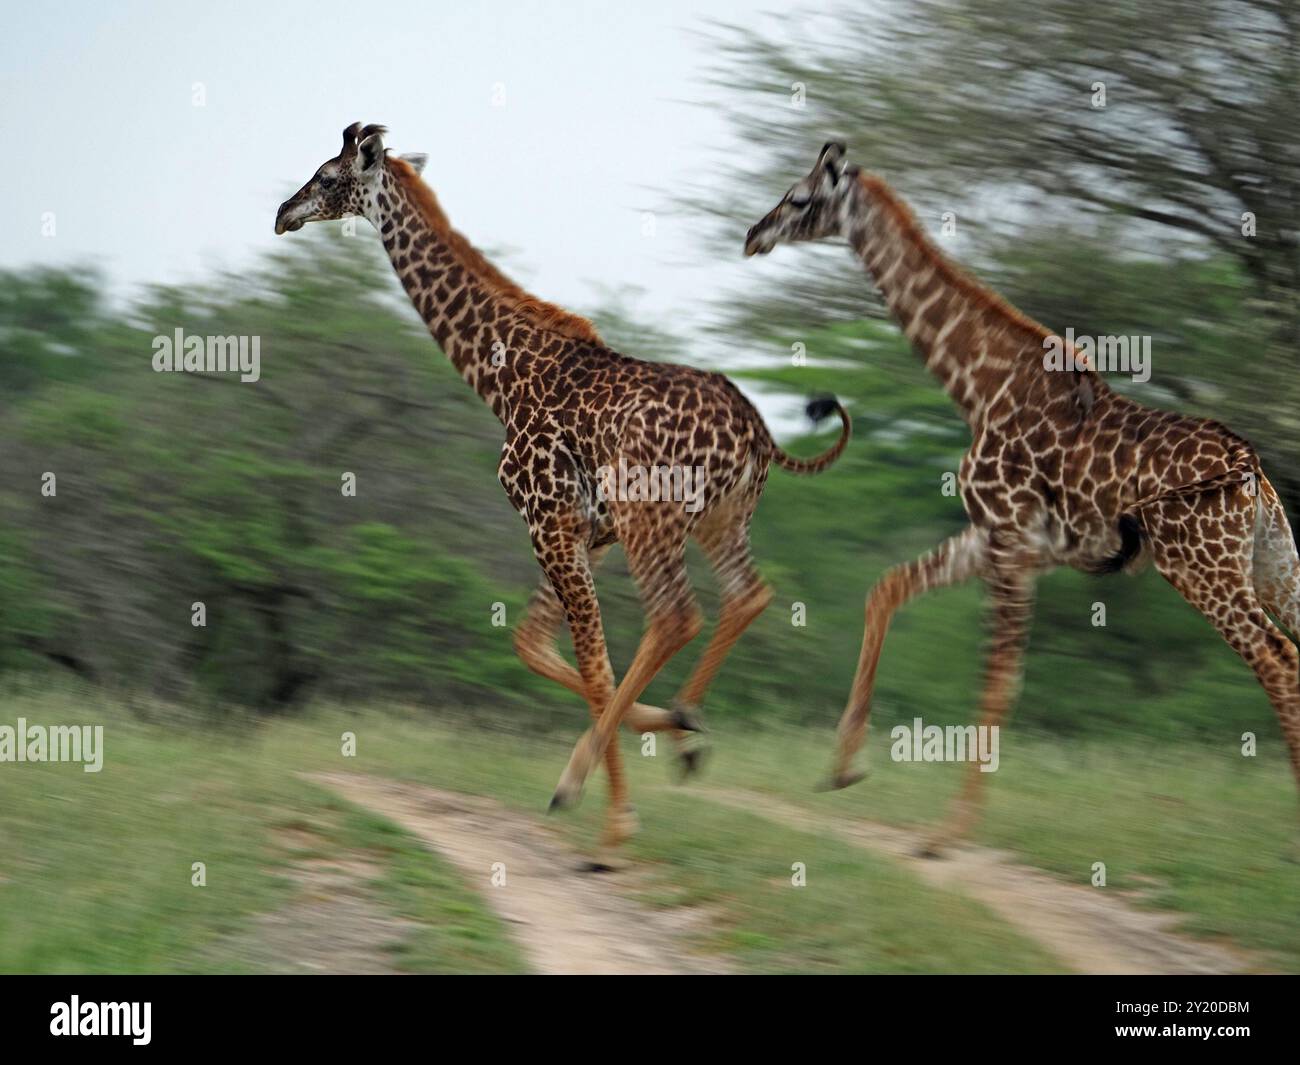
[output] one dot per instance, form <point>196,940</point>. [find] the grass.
<point>1205,832</point>
<point>1183,827</point>
<point>95,875</point>
<point>857,912</point>
<point>96,871</point>
<point>453,932</point>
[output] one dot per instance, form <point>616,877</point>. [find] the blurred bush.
<point>175,488</point>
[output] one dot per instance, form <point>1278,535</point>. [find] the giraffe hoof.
<point>686,720</point>
<point>840,781</point>
<point>931,849</point>
<point>562,800</point>
<point>691,759</point>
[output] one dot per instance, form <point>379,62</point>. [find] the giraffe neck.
<point>966,335</point>
<point>477,315</point>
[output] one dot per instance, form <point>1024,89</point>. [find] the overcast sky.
<point>600,121</point>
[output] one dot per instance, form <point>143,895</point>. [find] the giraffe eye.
<point>326,181</point>
<point>800,200</point>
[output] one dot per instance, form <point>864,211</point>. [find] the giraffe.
<point>1061,470</point>
<point>578,417</point>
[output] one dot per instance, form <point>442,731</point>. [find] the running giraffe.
<point>580,422</point>
<point>1061,471</point>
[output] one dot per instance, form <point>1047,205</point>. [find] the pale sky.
<point>601,120</point>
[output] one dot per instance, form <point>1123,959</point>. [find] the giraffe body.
<point>573,413</point>
<point>1061,471</point>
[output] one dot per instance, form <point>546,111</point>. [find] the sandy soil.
<point>565,919</point>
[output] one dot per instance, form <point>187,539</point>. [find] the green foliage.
<point>96,871</point>
<point>175,489</point>
<point>1167,209</point>
<point>25,616</point>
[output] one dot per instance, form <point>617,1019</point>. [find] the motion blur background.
<point>612,161</point>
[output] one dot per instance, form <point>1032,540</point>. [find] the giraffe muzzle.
<point>757,243</point>
<point>284,220</point>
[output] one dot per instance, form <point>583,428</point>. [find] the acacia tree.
<point>1163,130</point>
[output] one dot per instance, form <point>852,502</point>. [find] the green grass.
<point>1181,827</point>
<point>857,912</point>
<point>454,931</point>
<point>1188,828</point>
<point>96,868</point>
<point>95,874</point>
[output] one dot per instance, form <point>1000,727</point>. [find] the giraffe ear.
<point>417,161</point>
<point>370,150</point>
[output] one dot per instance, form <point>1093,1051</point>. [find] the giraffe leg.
<point>725,540</point>
<point>1273,657</point>
<point>1011,589</point>
<point>564,558</point>
<point>656,555</point>
<point>737,615</point>
<point>955,560</point>
<point>1256,569</point>
<point>535,643</point>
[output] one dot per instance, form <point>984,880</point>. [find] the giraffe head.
<point>344,185</point>
<point>810,210</point>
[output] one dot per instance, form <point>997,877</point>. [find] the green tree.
<point>1146,151</point>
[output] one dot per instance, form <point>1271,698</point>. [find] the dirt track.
<point>1089,929</point>
<point>564,919</point>
<point>567,920</point>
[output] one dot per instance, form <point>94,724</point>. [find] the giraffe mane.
<point>905,219</point>
<point>544,315</point>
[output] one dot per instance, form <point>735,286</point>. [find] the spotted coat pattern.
<point>572,410</point>
<point>1061,470</point>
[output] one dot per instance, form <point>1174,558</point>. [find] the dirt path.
<point>565,920</point>
<point>1089,929</point>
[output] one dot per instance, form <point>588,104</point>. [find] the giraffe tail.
<point>1243,472</point>
<point>1132,551</point>
<point>818,409</point>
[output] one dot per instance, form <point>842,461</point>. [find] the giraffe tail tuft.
<point>1132,549</point>
<point>821,407</point>
<point>817,409</point>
